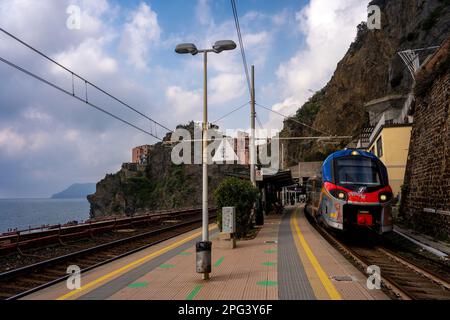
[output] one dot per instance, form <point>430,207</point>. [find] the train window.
<point>357,171</point>
<point>380,147</point>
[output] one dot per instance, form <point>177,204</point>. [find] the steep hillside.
<point>159,185</point>
<point>370,69</point>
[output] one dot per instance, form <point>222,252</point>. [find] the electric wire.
<point>241,44</point>
<point>29,73</point>
<point>292,119</point>
<point>231,112</point>
<point>87,82</point>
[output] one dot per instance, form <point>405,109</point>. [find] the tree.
<point>241,194</point>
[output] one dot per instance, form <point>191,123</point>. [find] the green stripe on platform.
<point>185,253</point>
<point>219,262</point>
<point>167,266</point>
<point>267,283</point>
<point>194,292</point>
<point>269,264</point>
<point>270,251</point>
<point>138,285</point>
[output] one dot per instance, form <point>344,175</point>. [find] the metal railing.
<point>377,128</point>
<point>59,234</point>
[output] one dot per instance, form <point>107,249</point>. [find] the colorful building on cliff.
<point>140,154</point>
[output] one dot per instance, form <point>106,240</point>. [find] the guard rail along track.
<point>23,281</point>
<point>401,278</point>
<point>38,237</point>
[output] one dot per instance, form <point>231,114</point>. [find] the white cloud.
<point>203,13</point>
<point>39,140</point>
<point>63,133</point>
<point>88,59</point>
<point>35,114</point>
<point>281,18</point>
<point>71,135</point>
<point>329,27</point>
<point>258,44</point>
<point>227,82</point>
<point>11,142</point>
<point>139,34</point>
<point>183,104</point>
<point>39,127</point>
<point>43,23</point>
<point>91,14</point>
<point>226,87</point>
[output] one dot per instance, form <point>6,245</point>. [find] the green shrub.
<point>241,194</point>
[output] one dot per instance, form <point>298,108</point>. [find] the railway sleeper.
<point>44,276</point>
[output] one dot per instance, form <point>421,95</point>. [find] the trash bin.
<point>203,252</point>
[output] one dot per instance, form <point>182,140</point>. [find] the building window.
<point>380,147</point>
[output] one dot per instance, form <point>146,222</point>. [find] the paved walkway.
<point>287,260</point>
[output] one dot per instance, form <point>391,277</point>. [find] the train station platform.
<point>287,260</point>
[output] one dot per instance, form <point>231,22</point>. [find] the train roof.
<point>349,152</point>
<point>326,167</point>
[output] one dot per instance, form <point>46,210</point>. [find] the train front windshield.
<point>357,171</point>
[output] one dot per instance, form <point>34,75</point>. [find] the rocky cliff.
<point>158,185</point>
<point>370,69</point>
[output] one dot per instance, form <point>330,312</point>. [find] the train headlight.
<point>336,191</point>
<point>355,153</point>
<point>339,194</point>
<point>385,197</point>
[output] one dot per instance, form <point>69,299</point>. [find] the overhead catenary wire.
<point>87,82</point>
<point>29,73</point>
<point>293,119</point>
<point>241,45</point>
<point>231,112</point>
<point>259,122</point>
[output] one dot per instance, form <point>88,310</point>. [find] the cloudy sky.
<point>49,140</point>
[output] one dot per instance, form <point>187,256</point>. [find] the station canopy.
<point>279,180</point>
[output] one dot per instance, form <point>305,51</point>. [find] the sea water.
<point>25,213</point>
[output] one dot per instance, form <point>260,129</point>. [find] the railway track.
<point>401,278</point>
<point>23,240</point>
<point>23,281</point>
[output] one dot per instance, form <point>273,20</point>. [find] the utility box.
<point>229,220</point>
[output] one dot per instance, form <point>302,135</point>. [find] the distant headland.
<point>76,191</point>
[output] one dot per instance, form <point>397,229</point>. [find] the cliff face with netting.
<point>370,69</point>
<point>426,204</point>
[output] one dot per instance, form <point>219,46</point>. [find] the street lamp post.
<point>204,247</point>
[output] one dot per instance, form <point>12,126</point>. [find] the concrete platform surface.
<point>287,260</point>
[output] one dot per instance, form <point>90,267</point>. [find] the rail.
<point>23,281</point>
<point>401,277</point>
<point>58,234</point>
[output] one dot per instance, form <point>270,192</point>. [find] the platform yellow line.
<point>131,265</point>
<point>329,287</point>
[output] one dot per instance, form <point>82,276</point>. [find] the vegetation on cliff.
<point>158,185</point>
<point>425,79</point>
